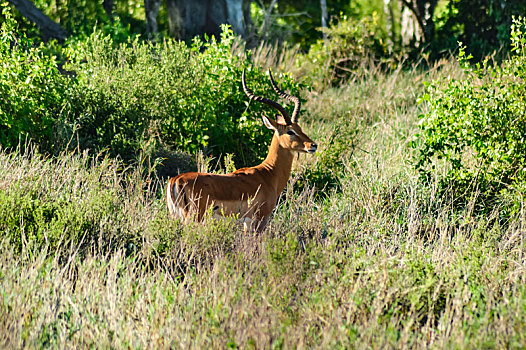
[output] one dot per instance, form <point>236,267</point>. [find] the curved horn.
<point>296,100</point>
<point>271,103</point>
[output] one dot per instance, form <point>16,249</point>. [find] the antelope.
<point>250,194</point>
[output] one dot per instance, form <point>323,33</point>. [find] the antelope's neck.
<point>278,164</point>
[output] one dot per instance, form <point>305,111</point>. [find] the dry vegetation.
<point>91,260</point>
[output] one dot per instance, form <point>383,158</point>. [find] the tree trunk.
<point>324,16</point>
<point>48,28</point>
<point>428,9</point>
<point>187,19</point>
<point>423,11</point>
<point>234,9</point>
<point>108,7</point>
<point>390,24</point>
<point>175,20</point>
<point>247,18</point>
<point>151,10</point>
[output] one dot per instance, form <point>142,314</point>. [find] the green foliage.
<point>327,171</point>
<point>80,18</point>
<point>31,86</point>
<point>75,16</point>
<point>91,204</point>
<point>133,97</point>
<point>133,94</point>
<point>483,26</point>
<point>477,125</point>
<point>293,21</point>
<point>39,220</point>
<point>85,213</point>
<point>350,43</point>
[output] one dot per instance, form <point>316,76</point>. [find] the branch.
<point>410,6</point>
<point>295,14</point>
<point>48,28</point>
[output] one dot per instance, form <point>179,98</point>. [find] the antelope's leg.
<point>259,225</point>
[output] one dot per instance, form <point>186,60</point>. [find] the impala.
<point>250,194</point>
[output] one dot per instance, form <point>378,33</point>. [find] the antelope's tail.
<point>176,200</point>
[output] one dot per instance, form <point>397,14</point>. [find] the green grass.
<point>90,258</point>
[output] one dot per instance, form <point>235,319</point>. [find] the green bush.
<point>51,202</point>
<point>477,126</point>
<point>132,98</point>
<point>484,26</point>
<point>132,95</point>
<point>74,16</point>
<point>326,172</point>
<point>349,44</point>
<point>32,89</point>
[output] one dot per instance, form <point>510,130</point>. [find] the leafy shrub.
<point>74,16</point>
<point>477,125</point>
<point>326,172</point>
<point>484,26</point>
<point>32,89</point>
<point>53,202</point>
<point>348,45</point>
<point>130,95</point>
<point>134,97</point>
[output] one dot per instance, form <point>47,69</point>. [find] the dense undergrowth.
<point>476,127</point>
<point>90,258</point>
<point>361,252</point>
<point>134,98</point>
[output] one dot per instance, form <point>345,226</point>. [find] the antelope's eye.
<point>291,133</point>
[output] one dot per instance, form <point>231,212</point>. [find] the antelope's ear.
<point>270,123</point>
<point>280,119</point>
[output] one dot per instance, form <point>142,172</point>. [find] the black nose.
<point>313,148</point>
